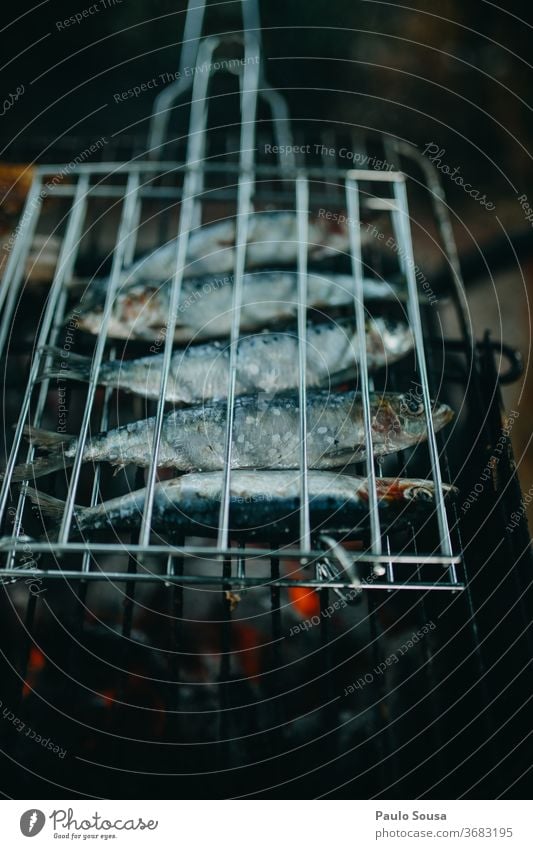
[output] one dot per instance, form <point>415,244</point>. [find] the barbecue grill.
<point>183,667</point>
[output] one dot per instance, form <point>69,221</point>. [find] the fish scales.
<point>265,434</point>
<point>266,362</point>
<point>272,236</point>
<point>141,308</point>
<point>260,502</point>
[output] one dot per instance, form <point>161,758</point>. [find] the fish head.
<point>137,309</point>
<point>410,490</point>
<point>403,416</point>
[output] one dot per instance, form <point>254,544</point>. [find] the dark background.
<point>456,73</point>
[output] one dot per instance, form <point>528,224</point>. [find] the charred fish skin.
<point>260,503</point>
<point>272,237</point>
<point>266,434</point>
<point>266,362</point>
<point>141,309</point>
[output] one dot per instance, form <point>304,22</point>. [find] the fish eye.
<point>419,493</point>
<point>414,407</point>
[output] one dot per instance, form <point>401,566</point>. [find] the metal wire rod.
<point>244,209</point>
<point>302,212</point>
<point>16,263</point>
<point>232,582</point>
<point>354,230</point>
<point>405,252</point>
<point>192,182</point>
<point>63,271</point>
<point>127,219</point>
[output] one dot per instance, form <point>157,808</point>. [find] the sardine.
<point>272,237</point>
<point>141,310</point>
<point>265,434</point>
<point>262,503</point>
<point>266,362</point>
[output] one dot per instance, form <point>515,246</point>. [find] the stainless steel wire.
<point>191,189</point>
<point>354,229</point>
<point>57,292</point>
<point>405,252</point>
<point>138,177</point>
<point>245,191</point>
<point>127,219</point>
<point>302,213</point>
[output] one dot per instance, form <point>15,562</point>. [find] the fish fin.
<point>79,367</point>
<point>40,467</point>
<point>47,504</point>
<point>54,509</point>
<point>50,441</point>
<point>45,438</point>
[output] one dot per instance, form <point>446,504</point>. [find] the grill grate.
<point>129,187</point>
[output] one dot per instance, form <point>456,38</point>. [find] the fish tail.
<point>45,438</point>
<point>41,466</point>
<point>52,508</point>
<point>47,504</point>
<point>76,367</point>
<point>50,441</point>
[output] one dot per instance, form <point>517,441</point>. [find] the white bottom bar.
<point>264,824</point>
